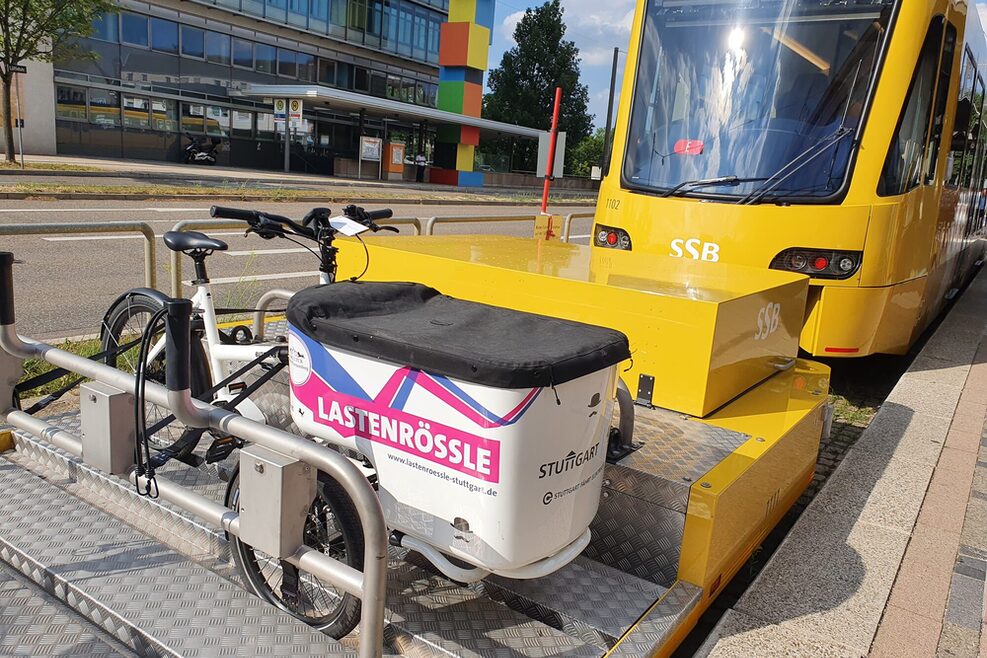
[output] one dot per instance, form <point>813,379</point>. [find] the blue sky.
<point>595,26</point>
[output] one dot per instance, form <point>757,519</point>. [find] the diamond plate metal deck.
<point>34,623</point>
<point>435,617</point>
<point>653,630</point>
<point>592,601</point>
<point>677,451</point>
<point>638,537</point>
<point>153,599</point>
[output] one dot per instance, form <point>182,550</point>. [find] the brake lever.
<point>392,229</point>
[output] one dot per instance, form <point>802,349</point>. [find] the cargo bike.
<point>456,411</point>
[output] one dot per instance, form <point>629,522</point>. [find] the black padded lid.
<point>413,325</point>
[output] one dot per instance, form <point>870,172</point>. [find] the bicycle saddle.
<point>192,240</point>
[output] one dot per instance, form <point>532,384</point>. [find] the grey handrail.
<point>370,586</point>
<point>263,304</point>
<point>175,259</point>
<point>429,227</point>
<point>567,223</point>
<point>150,259</point>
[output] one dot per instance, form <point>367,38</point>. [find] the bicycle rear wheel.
<point>333,528</point>
<point>125,323</point>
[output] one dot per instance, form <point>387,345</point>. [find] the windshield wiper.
<point>708,182</point>
<point>795,165</point>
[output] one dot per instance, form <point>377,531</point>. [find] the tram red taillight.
<point>819,263</point>
<point>611,237</point>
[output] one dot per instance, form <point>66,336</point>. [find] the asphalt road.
<point>65,283</point>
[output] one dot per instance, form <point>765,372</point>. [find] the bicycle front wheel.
<point>332,528</point>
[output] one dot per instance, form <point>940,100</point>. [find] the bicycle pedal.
<point>221,448</point>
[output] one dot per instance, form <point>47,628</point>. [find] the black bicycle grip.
<point>374,215</point>
<point>6,288</point>
<point>177,344</point>
<point>222,212</point>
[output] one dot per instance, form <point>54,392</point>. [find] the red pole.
<point>551,151</point>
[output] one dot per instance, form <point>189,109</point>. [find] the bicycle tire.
<point>126,322</point>
<point>343,612</point>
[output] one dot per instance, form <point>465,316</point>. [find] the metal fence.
<point>150,254</point>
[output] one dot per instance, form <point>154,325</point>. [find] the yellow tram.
<point>841,140</point>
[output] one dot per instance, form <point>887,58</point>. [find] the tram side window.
<point>903,167</point>
<point>964,117</point>
<point>942,100</point>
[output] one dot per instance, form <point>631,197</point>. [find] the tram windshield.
<point>732,96</point>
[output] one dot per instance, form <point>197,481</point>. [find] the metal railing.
<point>429,226</point>
<point>175,258</point>
<point>150,254</point>
<point>369,586</point>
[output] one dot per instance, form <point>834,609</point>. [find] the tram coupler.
<point>276,494</point>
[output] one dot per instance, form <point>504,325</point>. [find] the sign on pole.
<point>295,112</point>
<point>544,143</point>
<point>17,68</point>
<point>370,149</point>
<point>280,110</point>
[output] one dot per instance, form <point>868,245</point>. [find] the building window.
<point>217,48</point>
<point>319,10</point>
<point>361,79</point>
<point>286,63</point>
<point>421,30</point>
<point>243,53</point>
<point>378,84</point>
<point>265,126</point>
<point>433,39</point>
<point>104,107</point>
<point>337,12</point>
<point>243,124</point>
<point>404,27</point>
<point>327,72</point>
<point>265,58</point>
<point>193,42</point>
<point>390,27</point>
<point>106,27</point>
<point>70,102</point>
<point>164,36</point>
<point>306,66</point>
<point>193,118</point>
<point>218,121</point>
<point>135,112</point>
<point>164,115</point>
<point>134,29</point>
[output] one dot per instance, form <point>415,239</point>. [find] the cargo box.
<point>488,427</point>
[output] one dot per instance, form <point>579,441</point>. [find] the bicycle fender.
<point>153,293</point>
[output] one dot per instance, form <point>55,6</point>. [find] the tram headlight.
<point>819,263</point>
<point>610,237</point>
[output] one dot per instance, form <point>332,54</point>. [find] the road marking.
<point>259,277</point>
<point>75,238</point>
<point>267,252</point>
<point>91,210</point>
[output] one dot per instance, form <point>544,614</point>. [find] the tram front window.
<point>732,88</point>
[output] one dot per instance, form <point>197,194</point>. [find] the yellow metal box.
<point>700,333</point>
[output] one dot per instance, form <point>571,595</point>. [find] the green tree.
<point>34,30</point>
<point>522,88</point>
<point>587,154</point>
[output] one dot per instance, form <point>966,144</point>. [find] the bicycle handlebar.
<point>221,212</point>
<point>386,213</point>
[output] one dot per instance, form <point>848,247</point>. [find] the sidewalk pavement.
<point>158,170</point>
<point>890,558</point>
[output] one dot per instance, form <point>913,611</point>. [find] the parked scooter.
<point>200,152</point>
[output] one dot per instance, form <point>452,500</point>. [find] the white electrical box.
<point>276,494</point>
